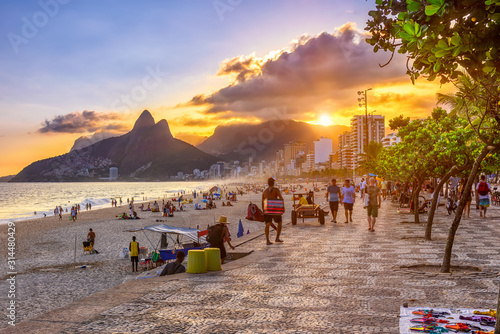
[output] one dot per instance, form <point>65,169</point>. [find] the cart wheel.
<point>321,218</point>
<point>294,217</point>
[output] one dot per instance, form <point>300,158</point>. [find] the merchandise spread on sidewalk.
<point>443,320</point>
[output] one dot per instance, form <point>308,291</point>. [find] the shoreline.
<point>98,203</point>
<point>49,251</point>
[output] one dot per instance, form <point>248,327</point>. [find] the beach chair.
<point>87,247</point>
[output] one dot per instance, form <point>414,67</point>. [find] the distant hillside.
<point>148,151</point>
<point>240,141</point>
<point>6,178</point>
<point>85,141</point>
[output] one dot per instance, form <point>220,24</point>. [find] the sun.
<point>325,120</point>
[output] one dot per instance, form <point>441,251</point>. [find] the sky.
<point>72,68</point>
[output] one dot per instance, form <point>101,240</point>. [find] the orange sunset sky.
<point>95,66</point>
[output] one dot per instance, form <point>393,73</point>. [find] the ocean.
<point>19,201</point>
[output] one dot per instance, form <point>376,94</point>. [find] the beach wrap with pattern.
<point>274,207</point>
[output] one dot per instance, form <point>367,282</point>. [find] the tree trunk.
<point>445,268</point>
<point>434,204</point>
<point>416,191</point>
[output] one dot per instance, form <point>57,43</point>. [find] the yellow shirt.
<point>303,201</point>
<point>134,248</point>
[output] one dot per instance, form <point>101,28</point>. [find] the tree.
<point>440,37</point>
<point>398,122</point>
<point>369,159</point>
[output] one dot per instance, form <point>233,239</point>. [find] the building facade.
<point>322,150</point>
<point>358,139</point>
<point>290,151</point>
<point>391,139</point>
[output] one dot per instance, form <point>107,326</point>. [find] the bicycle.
<point>495,198</point>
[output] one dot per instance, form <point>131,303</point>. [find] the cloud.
<point>83,122</point>
<point>303,77</point>
<point>199,122</point>
<point>191,137</point>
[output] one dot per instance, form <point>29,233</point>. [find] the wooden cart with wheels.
<point>307,210</point>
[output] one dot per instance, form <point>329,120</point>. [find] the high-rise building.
<point>344,151</point>
<point>376,132</point>
<point>113,173</point>
<point>280,161</point>
<point>322,150</point>
<point>291,150</point>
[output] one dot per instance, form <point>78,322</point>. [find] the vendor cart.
<point>304,211</point>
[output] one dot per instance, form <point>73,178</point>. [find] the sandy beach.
<point>49,274</point>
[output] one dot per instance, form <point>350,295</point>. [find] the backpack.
<point>214,235</point>
<point>483,189</point>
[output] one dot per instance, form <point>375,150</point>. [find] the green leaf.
<point>431,10</point>
<point>408,27</point>
<point>402,16</point>
<point>437,66</point>
<point>456,51</point>
<point>442,44</point>
<point>413,6</point>
<point>456,40</point>
<point>488,69</point>
<point>378,2</point>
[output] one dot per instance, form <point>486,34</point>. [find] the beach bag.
<point>254,213</point>
<point>124,253</point>
<point>274,207</point>
<point>214,235</point>
<point>483,189</point>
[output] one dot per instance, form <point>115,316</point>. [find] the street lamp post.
<point>364,101</point>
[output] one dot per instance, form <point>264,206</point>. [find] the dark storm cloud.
<point>315,70</point>
<point>83,122</point>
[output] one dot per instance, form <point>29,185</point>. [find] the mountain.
<point>261,141</point>
<point>148,152</point>
<point>6,178</point>
<point>85,141</point>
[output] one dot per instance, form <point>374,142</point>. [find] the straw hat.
<point>223,220</point>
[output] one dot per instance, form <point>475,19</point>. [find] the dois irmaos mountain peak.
<point>148,151</point>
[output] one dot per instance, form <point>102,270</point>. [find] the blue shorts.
<point>485,202</point>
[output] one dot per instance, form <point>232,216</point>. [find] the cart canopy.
<point>190,233</point>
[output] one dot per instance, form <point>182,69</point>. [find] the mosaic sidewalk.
<point>337,278</point>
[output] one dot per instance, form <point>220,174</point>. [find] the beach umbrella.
<point>241,231</point>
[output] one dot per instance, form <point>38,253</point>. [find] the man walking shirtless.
<point>272,192</point>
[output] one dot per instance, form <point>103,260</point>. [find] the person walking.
<point>333,195</point>
<point>348,199</point>
<point>272,193</point>
<point>134,253</point>
<point>218,234</point>
<point>467,200</point>
<point>374,201</point>
<point>362,186</point>
<point>483,190</point>
<point>383,186</point>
